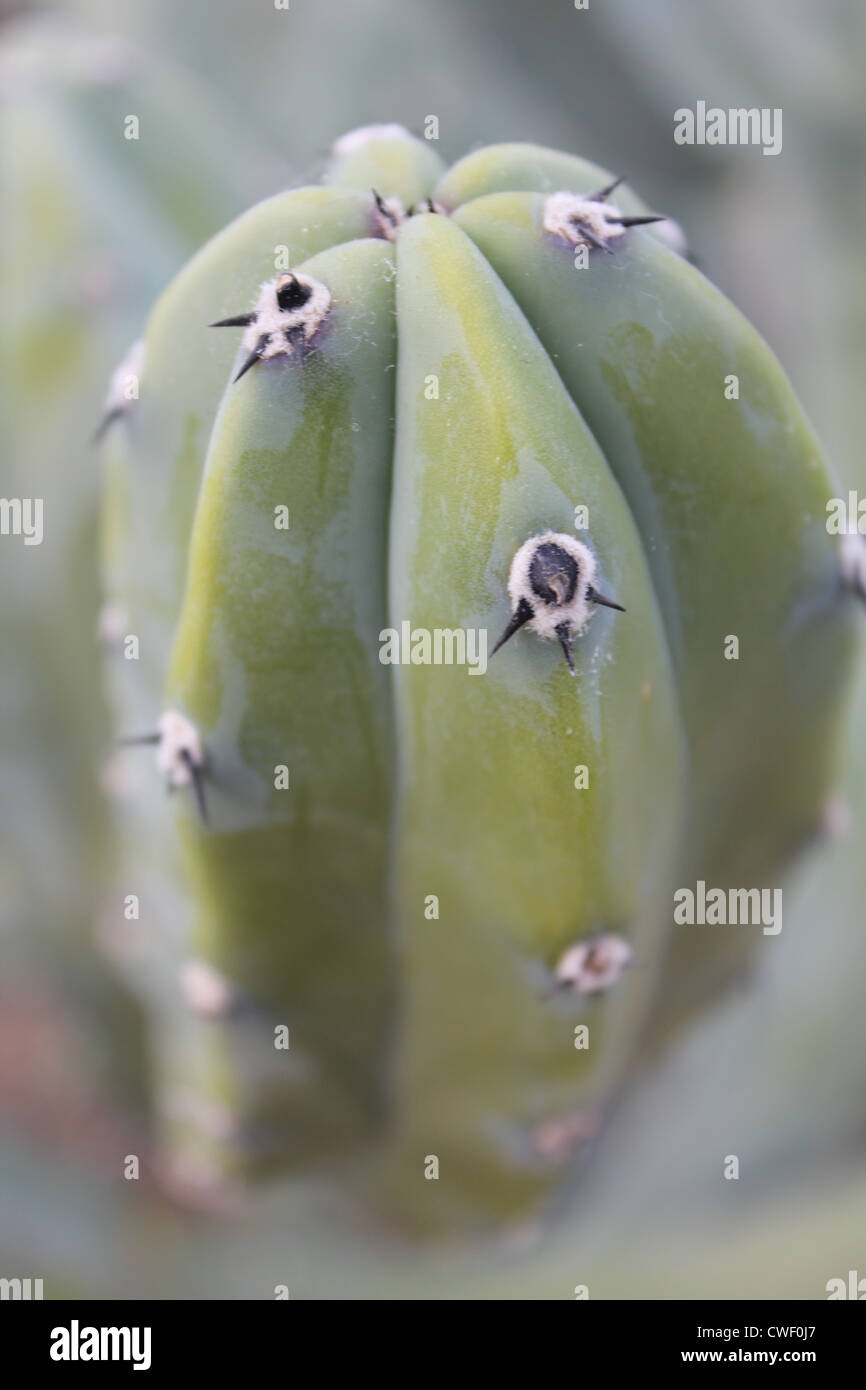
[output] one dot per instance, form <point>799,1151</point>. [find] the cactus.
<point>93,224</point>
<point>447,886</point>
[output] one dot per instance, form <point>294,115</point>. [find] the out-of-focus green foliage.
<point>91,226</point>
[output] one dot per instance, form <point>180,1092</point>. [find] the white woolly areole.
<point>179,740</point>
<point>388,218</point>
<point>853,554</point>
<point>130,369</point>
<point>270,319</point>
<point>581,221</point>
<point>594,965</point>
<point>207,992</point>
<point>355,140</point>
<point>547,617</point>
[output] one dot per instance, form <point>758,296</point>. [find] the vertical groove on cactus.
<point>729,495</point>
<point>423,917</point>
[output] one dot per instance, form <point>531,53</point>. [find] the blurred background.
<point>238,101</point>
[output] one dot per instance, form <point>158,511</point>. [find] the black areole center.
<point>553,574</point>
<point>293,295</point>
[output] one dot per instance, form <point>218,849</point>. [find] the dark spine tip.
<point>238,321</point>
<point>595,597</point>
<point>563,632</point>
<point>521,615</point>
<point>639,221</point>
<point>197,780</point>
<point>105,424</point>
<point>589,237</point>
<point>604,193</point>
<point>296,337</point>
<point>253,357</point>
<point>383,210</point>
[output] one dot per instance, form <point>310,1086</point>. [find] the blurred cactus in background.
<point>98,211</point>
<point>95,225</point>
<point>94,220</point>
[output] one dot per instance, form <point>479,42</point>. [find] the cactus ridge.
<point>430,881</point>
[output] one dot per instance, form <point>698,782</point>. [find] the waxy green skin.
<point>419,1031</point>
<point>730,498</point>
<point>154,460</point>
<point>157,454</point>
<point>489,819</point>
<point>521,166</point>
<point>268,686</point>
<point>389,162</point>
<point>276,661</point>
<point>512,167</point>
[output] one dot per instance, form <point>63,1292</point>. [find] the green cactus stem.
<point>437,433</point>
